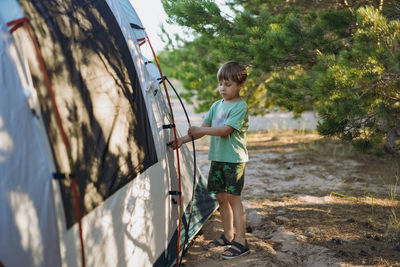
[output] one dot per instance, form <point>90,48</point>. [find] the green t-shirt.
<point>231,148</point>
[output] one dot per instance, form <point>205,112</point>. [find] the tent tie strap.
<point>168,126</point>
<point>61,176</point>
<point>175,193</point>
<point>141,41</point>
<point>135,26</point>
<point>160,80</point>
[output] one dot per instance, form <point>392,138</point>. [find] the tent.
<point>86,178</point>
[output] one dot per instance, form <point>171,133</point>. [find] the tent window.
<point>98,95</point>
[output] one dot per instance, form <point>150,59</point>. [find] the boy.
<point>226,122</point>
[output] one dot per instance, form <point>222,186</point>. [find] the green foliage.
<point>343,61</point>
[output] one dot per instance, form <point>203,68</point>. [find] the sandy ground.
<point>310,202</point>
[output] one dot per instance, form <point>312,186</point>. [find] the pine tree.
<point>340,57</point>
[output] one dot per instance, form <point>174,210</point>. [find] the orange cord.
<point>177,154</point>
<point>23,22</point>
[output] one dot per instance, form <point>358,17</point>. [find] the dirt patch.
<point>310,201</point>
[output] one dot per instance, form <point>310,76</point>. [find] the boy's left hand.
<point>173,145</point>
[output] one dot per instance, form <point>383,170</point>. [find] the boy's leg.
<point>226,215</point>
<point>239,246</point>
<point>239,217</point>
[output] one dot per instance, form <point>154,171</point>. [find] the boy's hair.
<point>232,71</point>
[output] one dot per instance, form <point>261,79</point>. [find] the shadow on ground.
<point>310,202</point>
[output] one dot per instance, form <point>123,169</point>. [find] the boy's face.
<point>229,90</point>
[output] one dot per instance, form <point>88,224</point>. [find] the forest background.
<point>339,58</point>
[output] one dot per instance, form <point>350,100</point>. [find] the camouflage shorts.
<point>226,177</point>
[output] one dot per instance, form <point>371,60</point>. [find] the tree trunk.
<point>393,141</point>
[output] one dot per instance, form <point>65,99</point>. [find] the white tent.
<point>86,178</point>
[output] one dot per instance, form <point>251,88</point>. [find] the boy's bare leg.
<point>239,217</point>
<point>226,215</point>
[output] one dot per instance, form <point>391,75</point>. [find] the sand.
<point>310,201</point>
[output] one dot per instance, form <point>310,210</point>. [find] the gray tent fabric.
<point>28,225</point>
<point>109,137</point>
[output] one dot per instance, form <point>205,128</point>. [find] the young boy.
<point>226,122</point>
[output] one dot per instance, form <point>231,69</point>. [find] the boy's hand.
<point>173,145</point>
<point>194,131</point>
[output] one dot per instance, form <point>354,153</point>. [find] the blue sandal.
<point>216,243</point>
<point>235,250</point>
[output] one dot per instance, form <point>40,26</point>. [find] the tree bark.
<point>393,141</point>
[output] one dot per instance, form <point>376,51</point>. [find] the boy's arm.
<point>187,138</point>
<point>222,131</point>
